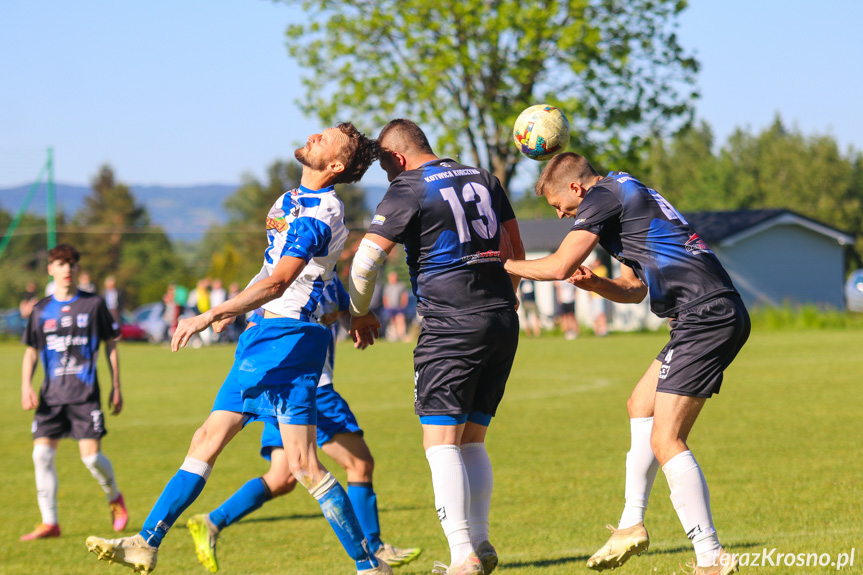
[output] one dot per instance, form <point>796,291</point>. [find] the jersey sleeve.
<point>598,207</point>
<point>33,336</point>
<point>506,211</point>
<point>307,238</point>
<point>399,208</point>
<point>106,327</point>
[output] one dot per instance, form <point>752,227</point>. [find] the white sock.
<point>641,468</point>
<point>481,480</point>
<point>46,482</point>
<point>452,498</point>
<point>691,500</point>
<point>101,469</point>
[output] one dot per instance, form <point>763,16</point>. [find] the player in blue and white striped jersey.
<point>277,365</point>
<point>338,435</point>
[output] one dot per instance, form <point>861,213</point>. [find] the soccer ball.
<point>540,132</point>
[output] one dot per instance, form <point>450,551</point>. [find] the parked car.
<point>854,291</point>
<point>131,332</point>
<point>148,317</point>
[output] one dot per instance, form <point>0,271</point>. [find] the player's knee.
<point>280,483</point>
<point>361,468</point>
<point>664,445</point>
<point>43,455</point>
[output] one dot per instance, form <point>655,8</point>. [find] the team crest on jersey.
<point>695,245</point>
<point>49,325</point>
<point>66,308</point>
<point>66,321</point>
<point>278,224</point>
<point>82,319</point>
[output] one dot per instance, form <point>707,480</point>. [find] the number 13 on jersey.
<point>472,192</point>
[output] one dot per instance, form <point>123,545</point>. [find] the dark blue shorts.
<point>705,340</point>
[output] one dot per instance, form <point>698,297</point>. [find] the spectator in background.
<point>199,298</point>
<point>218,295</point>
<point>395,302</point>
<point>600,321</point>
<point>86,284</point>
<point>112,298</point>
<point>171,312</point>
<point>566,298</point>
<point>28,300</point>
<point>236,328</point>
<point>528,304</point>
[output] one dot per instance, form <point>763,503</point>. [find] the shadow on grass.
<point>583,558</point>
<point>297,516</point>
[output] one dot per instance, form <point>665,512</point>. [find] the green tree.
<point>466,68</point>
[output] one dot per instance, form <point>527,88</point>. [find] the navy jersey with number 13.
<point>449,216</point>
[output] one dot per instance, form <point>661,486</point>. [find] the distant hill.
<point>184,212</point>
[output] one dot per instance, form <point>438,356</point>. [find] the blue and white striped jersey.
<point>310,225</point>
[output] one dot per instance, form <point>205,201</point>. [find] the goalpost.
<point>47,169</point>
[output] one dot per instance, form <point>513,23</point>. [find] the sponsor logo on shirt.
<point>378,220</point>
<point>66,321</point>
<point>66,308</point>
<point>49,325</point>
<point>695,245</point>
<point>82,319</point>
<point>481,257</point>
<point>278,224</point>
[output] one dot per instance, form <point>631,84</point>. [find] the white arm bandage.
<point>367,261</point>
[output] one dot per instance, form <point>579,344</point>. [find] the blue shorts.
<point>276,370</point>
<point>334,417</point>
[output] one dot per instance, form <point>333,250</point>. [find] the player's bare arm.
<point>624,289</point>
<point>560,265</point>
<point>511,247</point>
<point>115,400</point>
<point>286,271</point>
<point>29,399</point>
<point>367,261</point>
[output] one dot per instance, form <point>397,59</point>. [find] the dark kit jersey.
<point>449,218</point>
<point>643,231</point>
<point>66,335</point>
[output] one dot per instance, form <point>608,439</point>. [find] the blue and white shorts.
<point>276,370</point>
<point>334,417</point>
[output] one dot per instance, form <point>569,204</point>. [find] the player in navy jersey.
<point>450,218</point>
<point>64,330</point>
<point>277,364</point>
<point>338,435</point>
<point>662,255</point>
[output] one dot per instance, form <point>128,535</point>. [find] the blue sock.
<point>365,504</point>
<point>178,494</point>
<point>247,498</point>
<point>337,509</point>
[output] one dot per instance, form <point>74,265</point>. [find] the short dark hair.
<point>566,165</point>
<point>64,253</point>
<point>357,154</point>
<point>405,137</point>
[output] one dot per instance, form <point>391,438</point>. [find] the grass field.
<point>780,447</point>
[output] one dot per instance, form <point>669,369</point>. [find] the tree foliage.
<point>464,69</point>
<point>778,168</point>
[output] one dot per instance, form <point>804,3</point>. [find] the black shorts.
<point>567,308</point>
<point>77,420</point>
<point>704,341</point>
<point>462,363</point>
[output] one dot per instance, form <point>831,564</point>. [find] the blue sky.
<point>181,92</point>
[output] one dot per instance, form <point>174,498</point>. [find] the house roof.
<point>728,228</point>
<point>718,228</point>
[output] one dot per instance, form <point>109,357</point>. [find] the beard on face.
<point>302,156</point>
